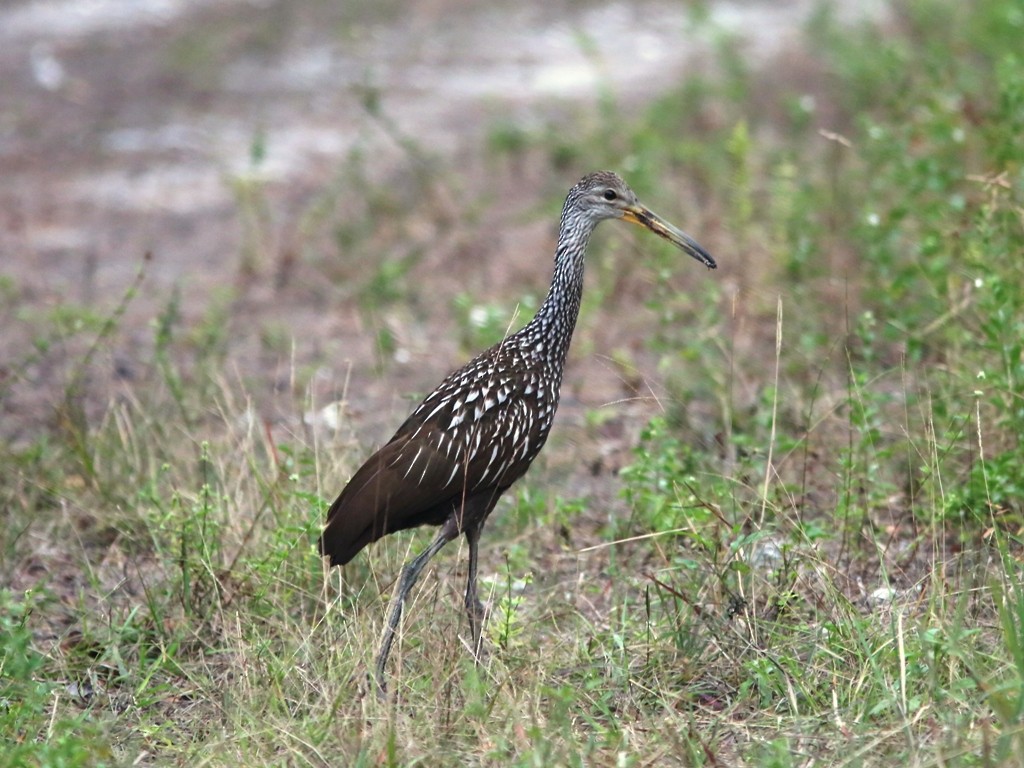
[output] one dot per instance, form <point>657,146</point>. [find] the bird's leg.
<point>410,573</point>
<point>474,608</point>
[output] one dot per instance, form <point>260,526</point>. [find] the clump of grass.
<point>481,325</point>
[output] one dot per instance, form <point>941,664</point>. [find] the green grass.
<point>811,554</point>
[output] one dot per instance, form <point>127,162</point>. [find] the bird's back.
<point>473,436</point>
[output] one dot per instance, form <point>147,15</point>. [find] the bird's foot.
<point>480,653</point>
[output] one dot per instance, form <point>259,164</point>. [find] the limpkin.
<point>477,433</point>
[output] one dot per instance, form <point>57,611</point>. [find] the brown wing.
<point>462,441</point>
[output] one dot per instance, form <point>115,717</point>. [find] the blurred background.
<point>337,182</point>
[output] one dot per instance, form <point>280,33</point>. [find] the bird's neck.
<point>555,321</point>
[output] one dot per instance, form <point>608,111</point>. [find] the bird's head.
<point>604,195</point>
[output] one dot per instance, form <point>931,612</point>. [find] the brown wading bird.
<point>478,432</point>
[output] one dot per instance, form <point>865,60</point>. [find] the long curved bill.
<point>646,218</point>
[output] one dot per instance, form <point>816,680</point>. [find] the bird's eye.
<point>609,195</point>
